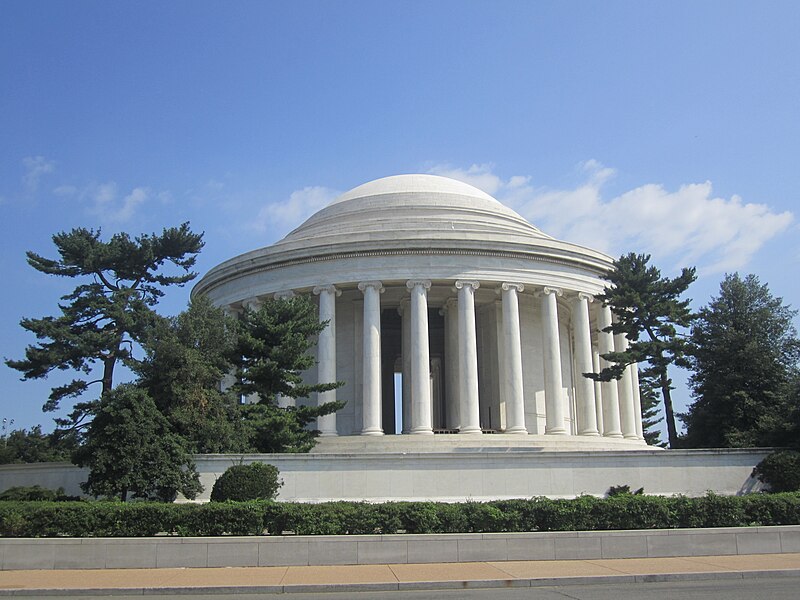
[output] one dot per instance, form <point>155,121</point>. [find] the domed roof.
<point>414,207</point>
<point>414,184</point>
<point>424,223</point>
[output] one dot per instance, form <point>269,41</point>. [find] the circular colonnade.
<point>448,313</point>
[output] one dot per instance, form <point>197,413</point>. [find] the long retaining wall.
<point>475,474</point>
<point>122,553</point>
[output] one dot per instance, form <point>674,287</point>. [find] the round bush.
<point>256,481</point>
<point>780,471</point>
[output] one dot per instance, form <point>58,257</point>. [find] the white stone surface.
<point>326,354</point>
<point>161,552</point>
<point>468,357</point>
<point>372,357</point>
<point>421,411</point>
<point>514,385</point>
<point>508,369</point>
<point>459,468</point>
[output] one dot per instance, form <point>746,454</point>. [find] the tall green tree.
<point>651,411</point>
<point>271,353</point>
<point>32,446</point>
<point>649,311</point>
<point>109,311</point>
<point>744,354</point>
<point>186,359</point>
<point>131,451</point>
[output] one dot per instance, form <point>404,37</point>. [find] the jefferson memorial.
<point>461,333</point>
<point>448,314</point>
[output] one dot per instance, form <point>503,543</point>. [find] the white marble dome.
<point>407,215</point>
<point>432,281</point>
<point>414,207</point>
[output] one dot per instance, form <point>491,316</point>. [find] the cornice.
<point>235,269</point>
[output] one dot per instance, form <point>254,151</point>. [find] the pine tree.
<point>271,353</point>
<point>186,358</point>
<point>744,354</point>
<point>651,414</point>
<point>648,310</point>
<point>109,311</point>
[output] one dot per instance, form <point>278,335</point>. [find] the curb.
<point>400,586</point>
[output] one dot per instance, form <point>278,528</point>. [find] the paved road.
<point>773,588</point>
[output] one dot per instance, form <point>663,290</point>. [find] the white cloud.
<point>301,204</point>
<point>65,191</point>
<point>480,176</point>
<point>688,226</point>
<point>35,168</point>
<point>104,201</point>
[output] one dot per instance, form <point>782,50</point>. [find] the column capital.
<point>412,283</point>
<point>586,296</point>
<point>403,306</point>
<point>230,310</point>
<point>547,290</point>
<point>450,304</point>
<point>284,295</point>
<point>330,289</point>
<point>252,303</point>
<point>463,283</point>
<point>507,286</point>
<point>377,285</point>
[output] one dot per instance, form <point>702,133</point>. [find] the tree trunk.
<point>108,374</point>
<point>672,432</point>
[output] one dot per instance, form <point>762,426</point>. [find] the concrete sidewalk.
<point>390,577</point>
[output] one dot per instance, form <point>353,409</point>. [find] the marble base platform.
<point>497,442</point>
<point>460,473</point>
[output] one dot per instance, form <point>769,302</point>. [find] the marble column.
<point>371,409</point>
<point>637,401</point>
<point>420,359</point>
<point>326,354</point>
<point>468,358</point>
<point>611,421</point>
<point>598,390</point>
<point>551,347</point>
<point>511,370</point>
<point>627,415</point>
<point>451,363</point>
<point>253,304</point>
<point>405,313</point>
<point>584,387</point>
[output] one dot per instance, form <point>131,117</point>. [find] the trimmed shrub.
<point>34,492</point>
<point>780,471</point>
<point>625,511</point>
<point>256,481</point>
<point>772,509</point>
<point>230,518</point>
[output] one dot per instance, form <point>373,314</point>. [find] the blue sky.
<point>667,128</point>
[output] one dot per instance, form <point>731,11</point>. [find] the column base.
<point>632,437</point>
<point>517,430</point>
<point>614,434</point>
<point>372,432</point>
<point>421,431</point>
<point>590,433</point>
<point>328,434</point>
<point>555,431</point>
<point>470,430</point>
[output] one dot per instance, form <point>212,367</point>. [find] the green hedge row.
<point>110,519</point>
